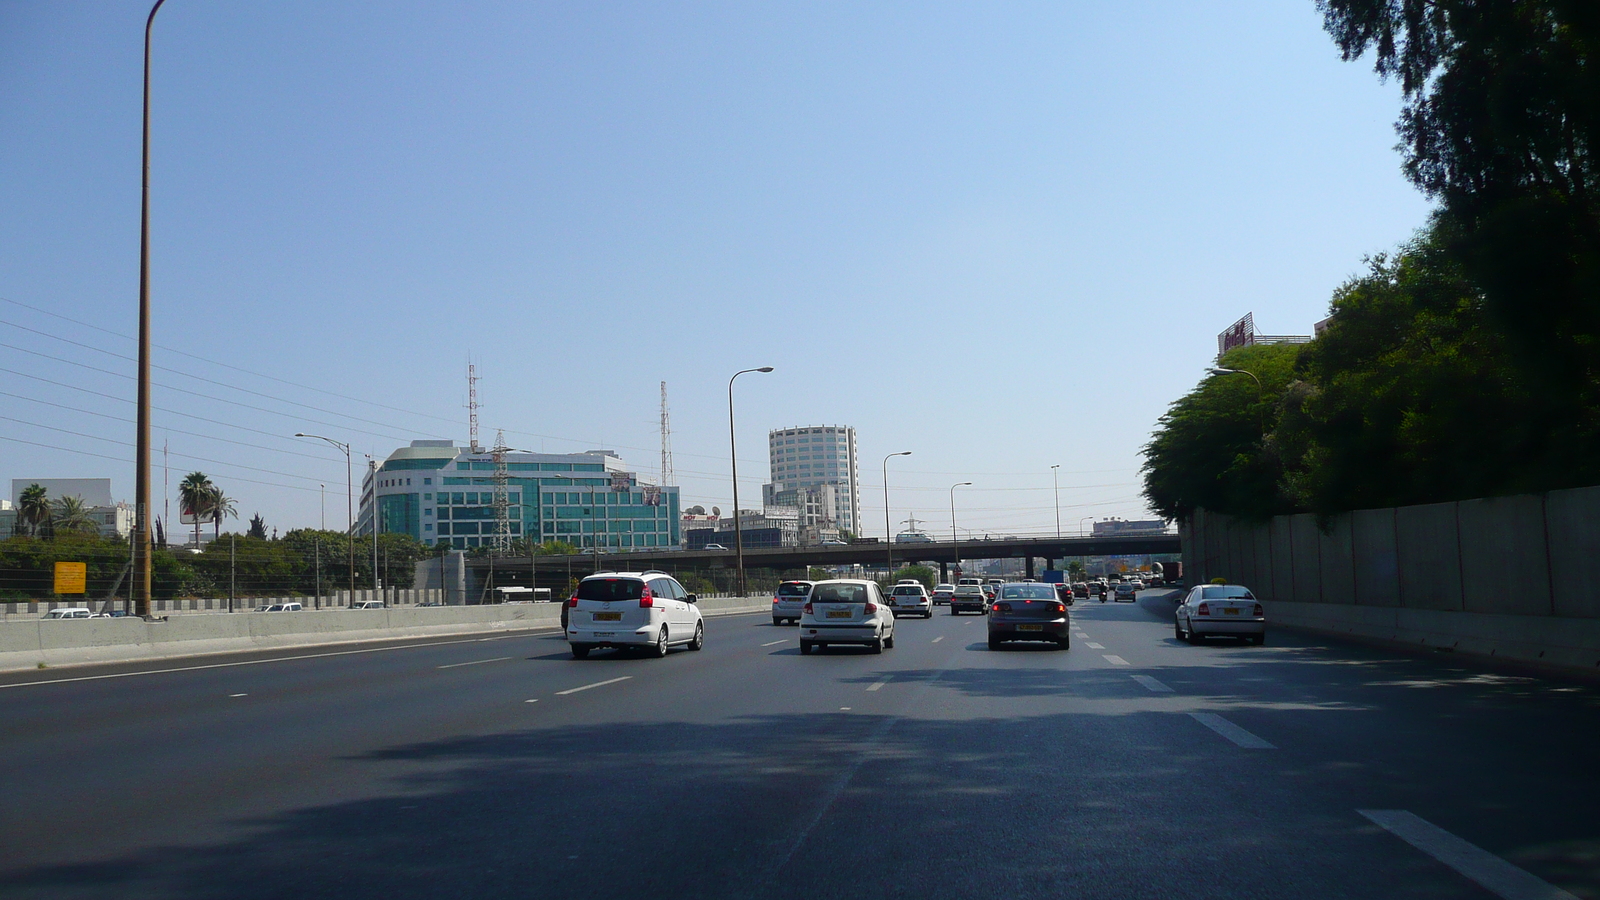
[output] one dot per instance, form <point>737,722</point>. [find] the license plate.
<point>1230,611</point>
<point>608,617</point>
<point>838,613</point>
<point>1030,627</point>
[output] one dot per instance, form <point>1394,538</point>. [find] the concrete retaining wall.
<point>24,644</point>
<point>1514,577</point>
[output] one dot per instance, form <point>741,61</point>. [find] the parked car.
<point>969,598</point>
<point>788,600</point>
<point>1220,610</point>
<point>646,610</point>
<point>913,598</point>
<point>69,612</point>
<point>846,611</point>
<point>1028,612</point>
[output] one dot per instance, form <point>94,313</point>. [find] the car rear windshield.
<point>610,589</point>
<point>793,589</point>
<point>1028,592</point>
<point>1226,593</point>
<point>908,589</point>
<point>839,593</point>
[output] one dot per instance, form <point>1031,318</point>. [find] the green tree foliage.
<point>923,574</point>
<point>221,506</point>
<point>194,499</point>
<point>33,510</point>
<point>258,527</point>
<point>1076,570</point>
<point>1501,122</point>
<point>69,515</point>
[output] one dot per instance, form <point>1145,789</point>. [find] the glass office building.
<point>440,493</point>
<point>818,455</point>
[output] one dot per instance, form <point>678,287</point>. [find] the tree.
<point>923,574</point>
<point>221,505</point>
<point>33,509</point>
<point>69,515</point>
<point>194,499</point>
<point>258,527</point>
<point>1076,570</point>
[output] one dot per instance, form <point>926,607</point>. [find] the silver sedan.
<point>1226,610</point>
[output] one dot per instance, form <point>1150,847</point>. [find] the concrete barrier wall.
<point>26,643</point>
<point>1514,577</point>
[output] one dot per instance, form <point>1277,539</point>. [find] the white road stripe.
<point>534,700</point>
<point>1154,686</point>
<point>938,639</point>
<point>595,685</point>
<point>257,662</point>
<point>878,685</point>
<point>1115,660</point>
<point>772,643</point>
<point>1495,874</point>
<point>1081,635</point>
<point>476,662</point>
<point>1093,646</point>
<point>238,695</point>
<point>1231,731</point>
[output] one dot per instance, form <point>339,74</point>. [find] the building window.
<point>427,526</point>
<point>427,481</point>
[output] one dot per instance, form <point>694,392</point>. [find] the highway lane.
<point>938,769</point>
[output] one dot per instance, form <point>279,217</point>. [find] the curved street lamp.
<point>1055,478</point>
<point>349,507</point>
<point>1261,393</point>
<point>141,477</point>
<point>733,455</point>
<point>888,530</point>
<point>955,540</point>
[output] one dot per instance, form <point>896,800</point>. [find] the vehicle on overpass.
<point>642,610</point>
<point>716,547</point>
<point>846,611</point>
<point>1029,611</point>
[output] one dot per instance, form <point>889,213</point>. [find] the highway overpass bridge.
<point>552,570</point>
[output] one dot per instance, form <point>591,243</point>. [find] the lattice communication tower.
<point>666,439</point>
<point>502,496</point>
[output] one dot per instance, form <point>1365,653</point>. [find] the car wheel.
<point>877,645</point>
<point>994,643</point>
<point>777,622</point>
<point>930,613</point>
<point>1064,643</point>
<point>805,648</point>
<point>580,651</point>
<point>888,642</point>
<point>659,648</point>
<point>954,611</point>
<point>699,641</point>
<point>1177,629</point>
<point>1259,640</point>
<point>1194,637</point>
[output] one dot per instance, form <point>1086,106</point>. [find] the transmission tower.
<point>666,439</point>
<point>502,497</point>
<point>472,406</point>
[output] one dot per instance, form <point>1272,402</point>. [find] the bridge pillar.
<point>944,574</point>
<point>1028,571</point>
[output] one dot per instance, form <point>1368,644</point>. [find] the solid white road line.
<point>879,685</point>
<point>1093,646</point>
<point>1493,873</point>
<point>1115,660</point>
<point>1231,731</point>
<point>257,662</point>
<point>595,685</point>
<point>938,639</point>
<point>1154,686</point>
<point>476,662</point>
<point>773,643</point>
<point>238,695</point>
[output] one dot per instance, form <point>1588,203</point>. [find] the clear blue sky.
<point>1000,235</point>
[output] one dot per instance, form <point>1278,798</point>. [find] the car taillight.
<point>573,600</point>
<point>1061,607</point>
<point>1002,607</point>
<point>807,610</point>
<point>774,599</point>
<point>1259,611</point>
<point>1204,610</point>
<point>647,599</point>
<point>869,609</point>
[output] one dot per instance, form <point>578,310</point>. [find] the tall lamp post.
<point>372,467</point>
<point>1055,478</point>
<point>141,528</point>
<point>349,507</point>
<point>888,530</point>
<point>733,455</point>
<point>955,542</point>
<point>1080,525</point>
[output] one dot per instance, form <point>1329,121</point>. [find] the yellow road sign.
<point>72,577</point>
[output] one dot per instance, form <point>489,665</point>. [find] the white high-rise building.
<point>818,455</point>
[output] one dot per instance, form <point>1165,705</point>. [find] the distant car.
<point>846,611</point>
<point>431,603</point>
<point>1080,589</point>
<point>71,612</point>
<point>285,607</point>
<point>961,581</point>
<point>367,604</point>
<point>1220,610</point>
<point>835,543</point>
<point>1126,591</point>
<point>1028,611</point>
<point>942,595</point>
<point>1064,593</point>
<point>643,610</point>
<point>909,599</point>
<point>992,585</point>
<point>969,598</point>
<point>715,547</point>
<point>788,600</point>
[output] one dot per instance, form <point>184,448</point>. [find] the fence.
<point>337,600</point>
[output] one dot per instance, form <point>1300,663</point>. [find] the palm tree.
<point>33,509</point>
<point>221,505</point>
<point>194,499</point>
<point>70,515</point>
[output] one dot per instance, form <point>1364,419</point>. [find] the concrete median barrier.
<point>25,644</point>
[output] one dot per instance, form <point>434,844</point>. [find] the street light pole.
<point>955,541</point>
<point>1081,532</point>
<point>733,455</point>
<point>888,530</point>
<point>349,507</point>
<point>141,528</point>
<point>372,467</point>
<point>1261,394</point>
<point>1055,477</point>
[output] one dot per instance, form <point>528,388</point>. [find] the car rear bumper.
<point>823,633</point>
<point>1013,631</point>
<point>965,605</point>
<point>789,610</point>
<point>918,610</point>
<point>594,637</point>
<point>1228,626</point>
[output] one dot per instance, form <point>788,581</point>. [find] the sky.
<point>1001,235</point>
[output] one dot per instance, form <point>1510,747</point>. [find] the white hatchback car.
<point>787,601</point>
<point>846,611</point>
<point>911,599</point>
<point>1220,609</point>
<point>633,609</point>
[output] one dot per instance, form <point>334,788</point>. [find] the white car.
<point>846,611</point>
<point>1220,609</point>
<point>367,604</point>
<point>285,607</point>
<point>73,612</point>
<point>788,600</point>
<point>911,599</point>
<point>633,609</point>
<point>715,547</point>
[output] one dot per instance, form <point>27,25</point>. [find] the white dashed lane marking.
<point>879,685</point>
<point>938,639</point>
<point>238,695</point>
<point>1154,686</point>
<point>589,686</point>
<point>1115,660</point>
<point>1093,646</point>
<point>1495,874</point>
<point>1231,731</point>
<point>771,643</point>
<point>476,662</point>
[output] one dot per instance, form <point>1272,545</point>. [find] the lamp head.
<point>1218,371</point>
<point>298,434</point>
<point>764,369</point>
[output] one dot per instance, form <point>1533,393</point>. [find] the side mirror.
<point>691,598</point>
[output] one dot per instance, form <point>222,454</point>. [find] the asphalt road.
<point>1131,766</point>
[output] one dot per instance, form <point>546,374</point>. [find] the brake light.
<point>646,599</point>
<point>1204,610</point>
<point>869,609</point>
<point>573,600</point>
<point>774,598</point>
<point>1061,607</point>
<point>1259,611</point>
<point>1002,607</point>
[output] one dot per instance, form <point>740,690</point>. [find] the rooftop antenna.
<point>472,405</point>
<point>666,440</point>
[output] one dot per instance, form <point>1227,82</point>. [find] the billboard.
<point>621,482</point>
<point>1240,334</point>
<point>72,577</point>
